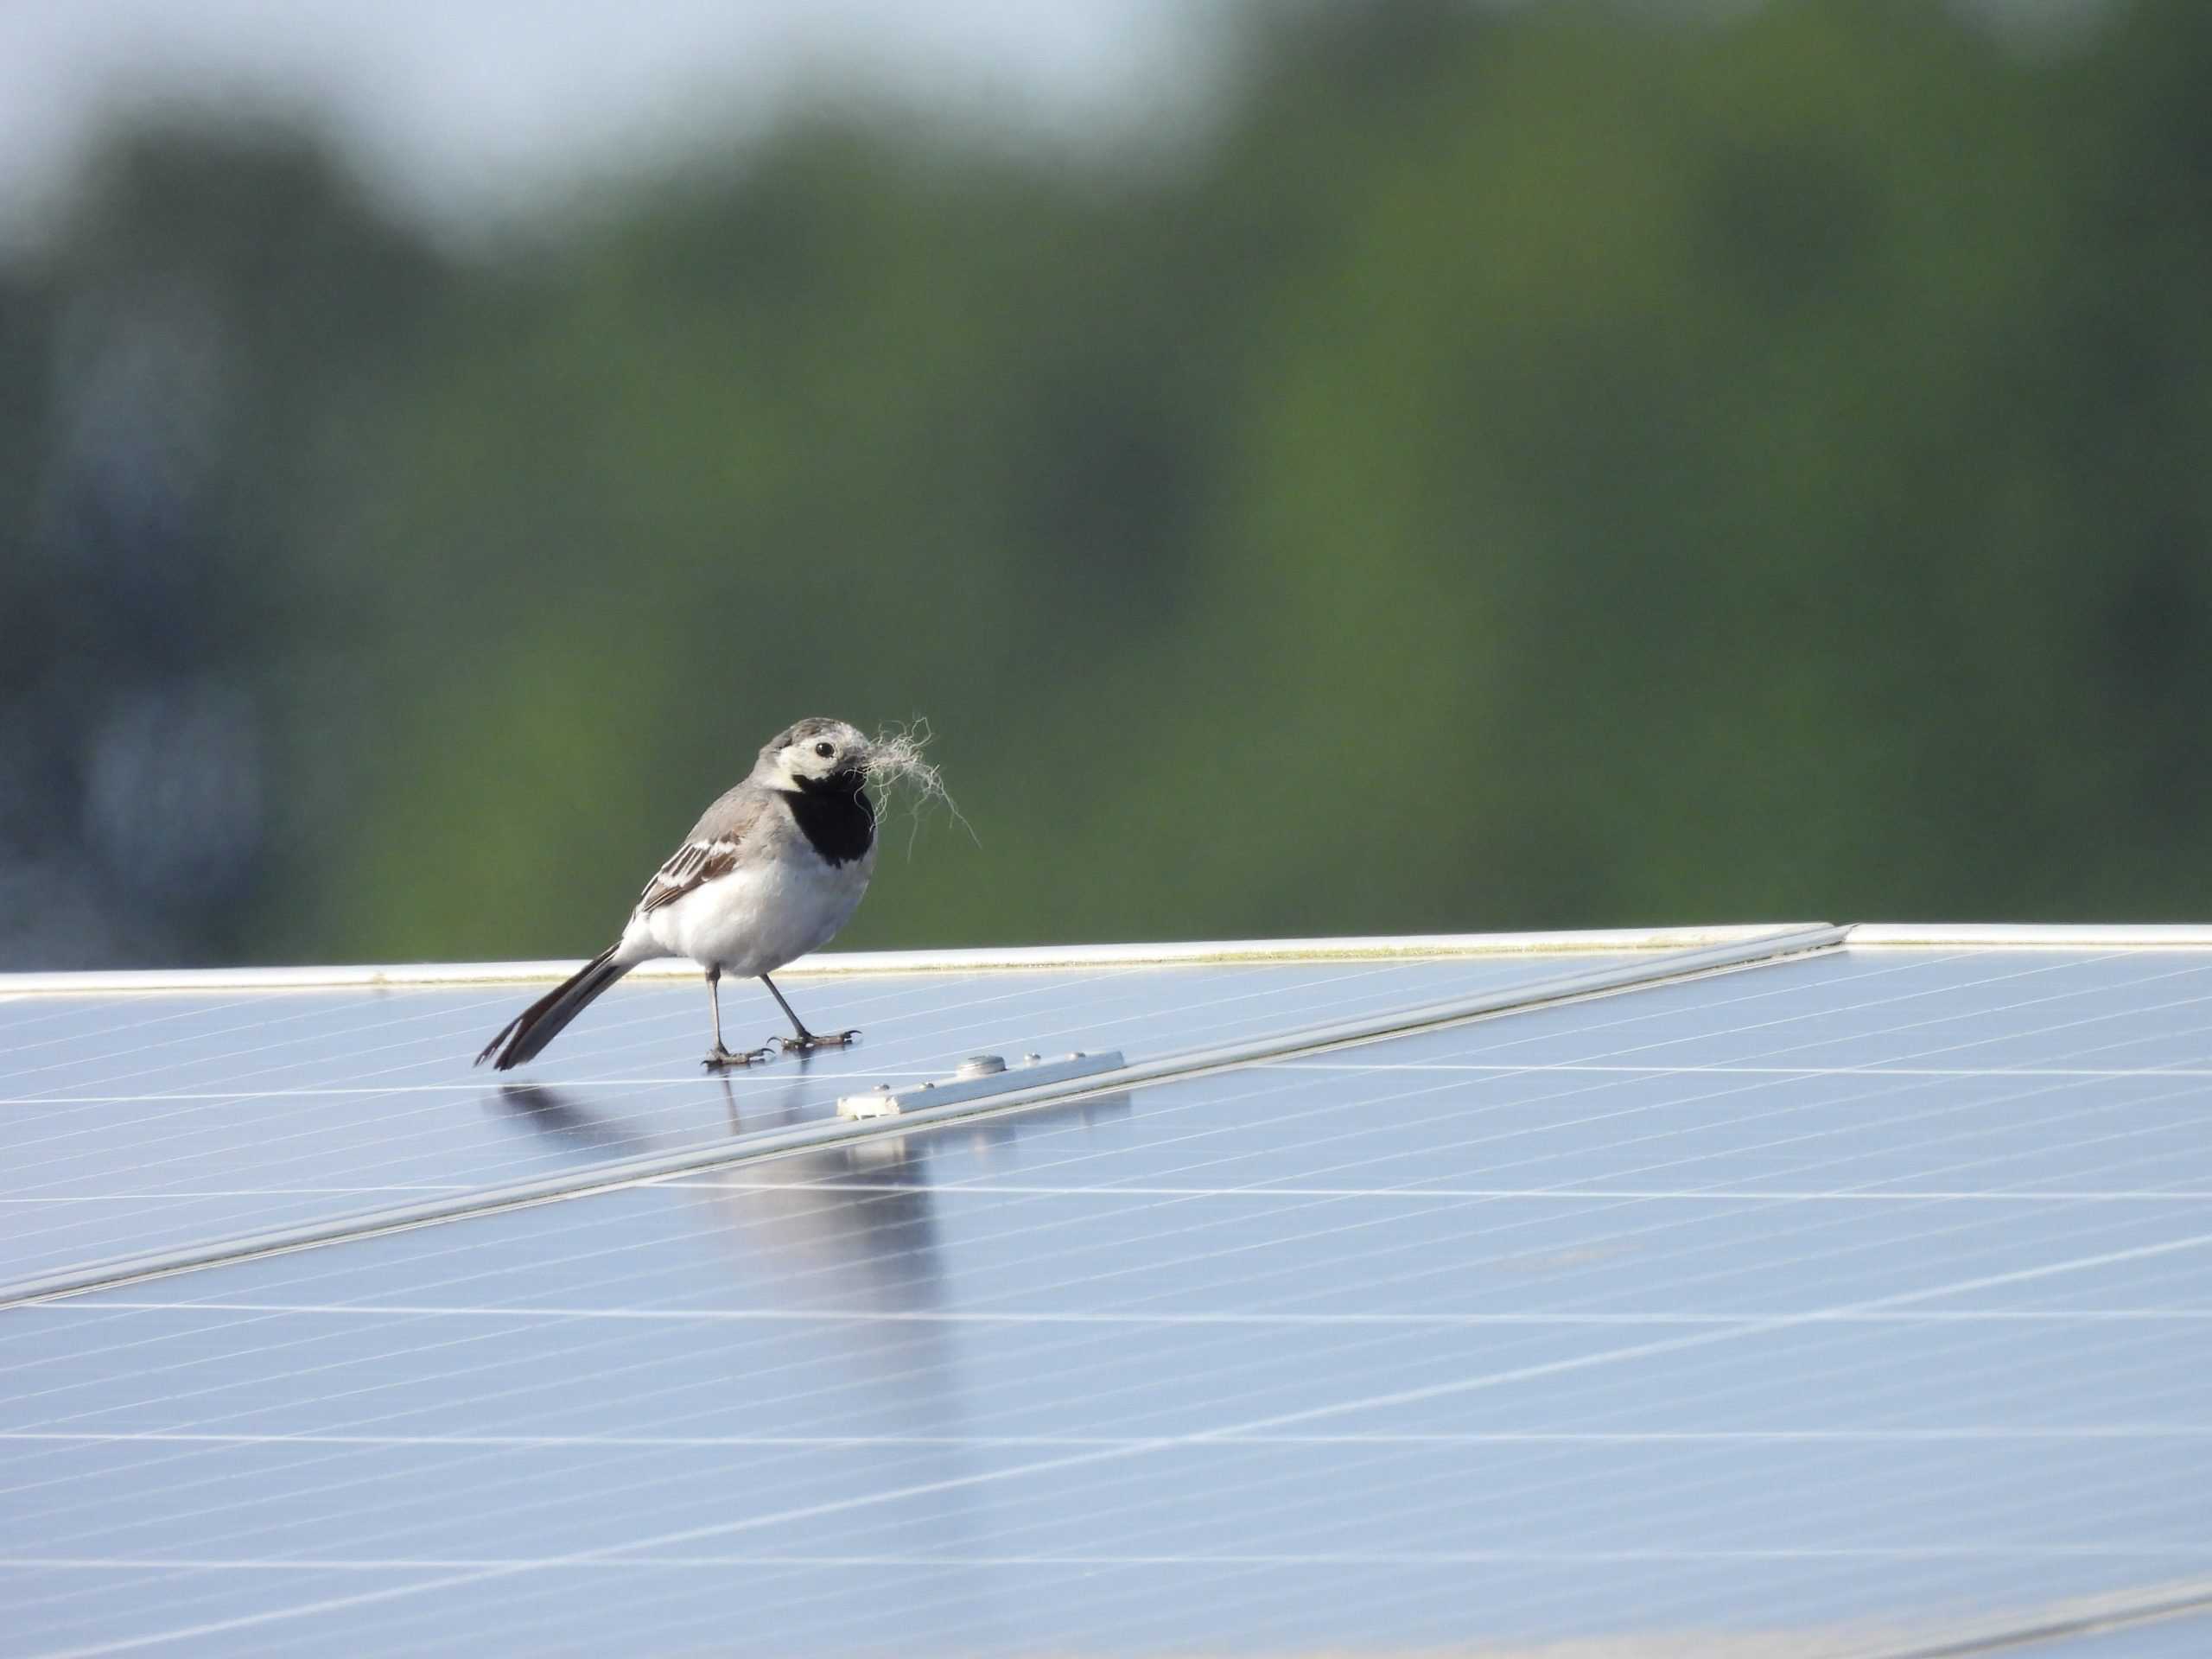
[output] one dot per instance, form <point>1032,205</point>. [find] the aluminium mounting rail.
<point>2089,1617</point>
<point>1018,958</point>
<point>1757,950</point>
<point>1428,947</point>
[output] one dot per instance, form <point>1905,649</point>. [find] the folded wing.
<point>689,868</point>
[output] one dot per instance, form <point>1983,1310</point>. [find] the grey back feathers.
<point>735,813</point>
<point>715,847</point>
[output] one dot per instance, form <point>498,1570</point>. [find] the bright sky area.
<point>457,106</point>
<point>463,108</point>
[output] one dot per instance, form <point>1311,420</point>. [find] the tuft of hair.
<point>895,766</point>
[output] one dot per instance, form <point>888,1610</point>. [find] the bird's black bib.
<point>834,814</point>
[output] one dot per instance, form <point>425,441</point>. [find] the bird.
<point>771,871</point>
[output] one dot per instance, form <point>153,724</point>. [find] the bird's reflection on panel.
<point>852,1226</point>
<point>863,1229</point>
<point>852,1233</point>
<point>557,1117</point>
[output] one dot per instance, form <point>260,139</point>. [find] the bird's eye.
<point>825,750</point>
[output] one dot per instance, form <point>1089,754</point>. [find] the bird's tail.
<point>522,1037</point>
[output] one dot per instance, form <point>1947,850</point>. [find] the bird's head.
<point>815,756</point>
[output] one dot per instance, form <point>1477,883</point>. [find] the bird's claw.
<point>813,1040</point>
<point>721,1059</point>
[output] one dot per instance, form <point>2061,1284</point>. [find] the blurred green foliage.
<point>1527,469</point>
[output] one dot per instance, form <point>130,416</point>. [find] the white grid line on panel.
<point>641,1012</point>
<point>1255,1089</point>
<point>260,1022</point>
<point>1310,1531</point>
<point>954,1042</point>
<point>963,1316</point>
<point>30,1012</point>
<point>171,1015</point>
<point>950,1045</point>
<point>317,1132</point>
<point>23,1489</point>
<point>648,1009</point>
<point>2133,1548</point>
<point>1755,993</point>
<point>479,1085</point>
<point>2190,969</point>
<point>1421,1490</point>
<point>1033,1558</point>
<point>1078,1460</point>
<point>1507,1494</point>
<point>1519,1068</point>
<point>1241,996</point>
<point>1798,1628</point>
<point>1581,1554</point>
<point>2007,1434</point>
<point>191,1193</point>
<point>2013,970</point>
<point>1535,988</point>
<point>1793,1195</point>
<point>1797,1195</point>
<point>1602,1239</point>
<point>316,1126</point>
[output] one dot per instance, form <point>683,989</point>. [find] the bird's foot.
<point>807,1042</point>
<point>721,1059</point>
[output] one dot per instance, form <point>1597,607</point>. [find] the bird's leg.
<point>806,1042</point>
<point>718,1057</point>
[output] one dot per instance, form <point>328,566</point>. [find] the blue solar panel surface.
<point>2170,1639</point>
<point>143,1122</point>
<point>1823,1307</point>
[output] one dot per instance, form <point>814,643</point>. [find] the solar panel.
<point>2160,1640</point>
<point>1850,1303</point>
<point>139,1125</point>
<point>132,1122</point>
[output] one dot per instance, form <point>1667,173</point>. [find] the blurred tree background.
<point>1568,465</point>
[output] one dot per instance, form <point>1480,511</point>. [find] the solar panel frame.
<point>1426,947</point>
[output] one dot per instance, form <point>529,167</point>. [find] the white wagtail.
<point>770,872</point>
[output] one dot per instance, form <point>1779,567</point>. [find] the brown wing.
<point>691,867</point>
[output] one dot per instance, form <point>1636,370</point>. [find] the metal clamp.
<point>980,1076</point>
